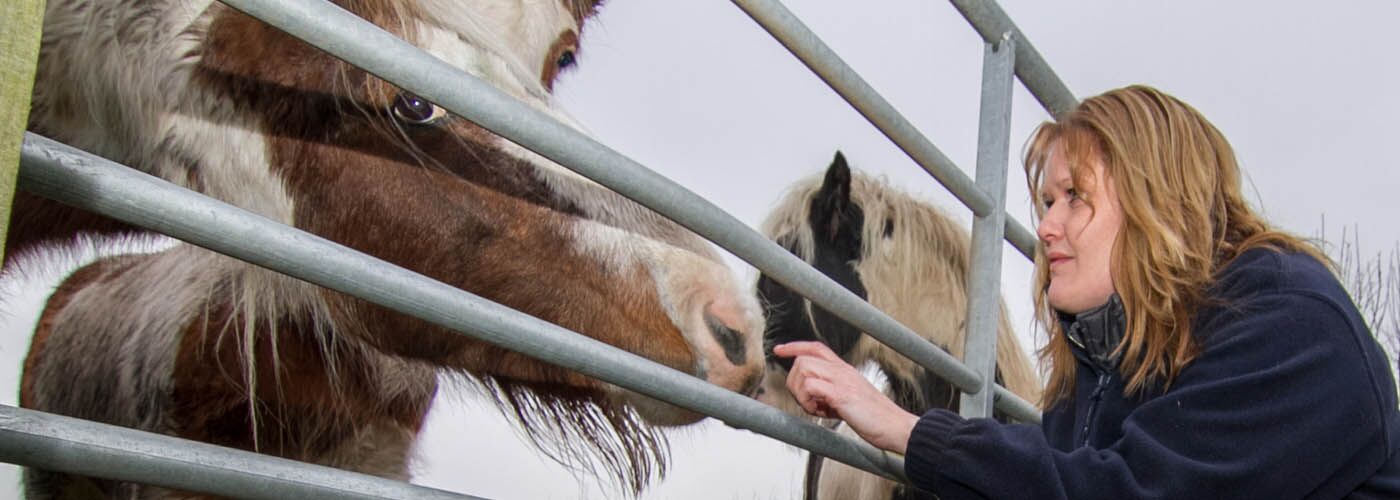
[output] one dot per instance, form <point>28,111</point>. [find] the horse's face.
<point>514,213</point>
<point>903,255</point>
<point>830,238</point>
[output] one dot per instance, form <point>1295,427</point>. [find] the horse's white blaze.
<point>688,286</point>
<point>510,38</point>
<point>505,43</point>
<point>530,29</point>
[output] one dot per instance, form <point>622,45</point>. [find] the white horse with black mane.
<point>909,260</point>
<point>192,344</point>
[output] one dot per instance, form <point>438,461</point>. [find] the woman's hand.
<point>827,387</point>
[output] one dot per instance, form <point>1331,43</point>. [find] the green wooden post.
<point>20,24</point>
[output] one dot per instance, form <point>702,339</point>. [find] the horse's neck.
<point>317,397</point>
<point>216,350</point>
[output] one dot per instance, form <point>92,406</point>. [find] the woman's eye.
<point>413,110</point>
<point>1072,195</point>
<point>566,60</point>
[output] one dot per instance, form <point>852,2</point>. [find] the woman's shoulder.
<point>1286,314</point>
<point>1268,292</point>
<point>1268,271</point>
<point>1280,304</point>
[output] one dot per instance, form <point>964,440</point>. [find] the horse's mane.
<point>913,255</point>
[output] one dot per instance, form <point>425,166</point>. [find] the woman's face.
<point>1078,238</point>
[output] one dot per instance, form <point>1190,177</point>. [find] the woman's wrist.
<point>900,441</point>
<point>894,434</point>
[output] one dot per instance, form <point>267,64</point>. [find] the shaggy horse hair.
<point>907,259</point>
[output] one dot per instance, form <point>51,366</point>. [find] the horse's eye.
<point>566,60</point>
<point>414,110</point>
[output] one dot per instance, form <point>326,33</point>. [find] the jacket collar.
<point>1098,331</point>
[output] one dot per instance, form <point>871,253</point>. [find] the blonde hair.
<point>1184,218</point>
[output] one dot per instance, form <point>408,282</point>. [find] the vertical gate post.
<point>984,275</point>
<point>20,24</point>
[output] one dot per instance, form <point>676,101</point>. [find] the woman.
<point>1195,351</point>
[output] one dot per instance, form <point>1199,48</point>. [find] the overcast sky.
<point>700,93</point>
<point>697,91</point>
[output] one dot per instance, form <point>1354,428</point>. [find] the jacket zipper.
<point>1093,405</point>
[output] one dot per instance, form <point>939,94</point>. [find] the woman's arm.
<point>827,387</point>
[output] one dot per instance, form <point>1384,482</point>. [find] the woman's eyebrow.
<point>1061,184</point>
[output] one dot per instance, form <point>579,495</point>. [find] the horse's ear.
<point>837,183</point>
<point>832,209</point>
<point>836,187</point>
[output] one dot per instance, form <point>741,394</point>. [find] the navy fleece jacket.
<point>1291,397</point>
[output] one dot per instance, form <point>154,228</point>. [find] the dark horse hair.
<point>907,259</point>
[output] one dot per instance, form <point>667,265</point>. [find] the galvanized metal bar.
<point>65,174</point>
<point>984,276</point>
<point>780,22</point>
<point>990,21</point>
<point>356,41</point>
<point>64,444</point>
<point>817,56</point>
<point>1012,405</point>
<point>1020,238</point>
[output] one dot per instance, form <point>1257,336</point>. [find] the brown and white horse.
<point>908,259</point>
<point>192,344</point>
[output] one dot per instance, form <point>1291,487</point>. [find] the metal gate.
<point>65,174</point>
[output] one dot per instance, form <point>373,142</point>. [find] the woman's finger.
<point>803,368</point>
<point>817,400</point>
<point>805,348</point>
<point>817,385</point>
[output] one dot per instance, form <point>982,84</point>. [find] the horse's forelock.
<point>913,254</point>
<point>787,223</point>
<point>913,237</point>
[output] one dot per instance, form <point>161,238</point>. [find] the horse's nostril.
<point>730,340</point>
<point>753,387</point>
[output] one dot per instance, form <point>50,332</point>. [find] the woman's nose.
<point>1051,227</point>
